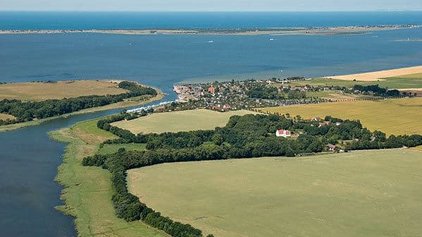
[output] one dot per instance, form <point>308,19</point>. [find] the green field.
<point>87,190</point>
<point>393,116</point>
<point>187,120</point>
<point>402,82</point>
<point>367,193</point>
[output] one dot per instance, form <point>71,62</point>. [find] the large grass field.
<point>37,91</point>
<point>88,190</point>
<point>366,194</point>
<point>393,116</point>
<point>188,120</point>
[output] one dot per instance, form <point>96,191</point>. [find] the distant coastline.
<point>236,31</point>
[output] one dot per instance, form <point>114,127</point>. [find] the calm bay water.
<point>29,159</point>
<point>199,20</point>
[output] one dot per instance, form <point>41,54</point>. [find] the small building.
<point>331,147</point>
<point>283,133</point>
<point>325,123</point>
<point>316,119</point>
<point>227,107</point>
<point>211,89</point>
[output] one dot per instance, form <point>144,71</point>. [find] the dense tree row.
<point>29,110</point>
<point>263,92</point>
<point>128,206</point>
<point>381,142</point>
<point>376,90</point>
<point>271,93</point>
<point>245,136</point>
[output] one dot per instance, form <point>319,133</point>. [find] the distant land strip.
<point>236,31</point>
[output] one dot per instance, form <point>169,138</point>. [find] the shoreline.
<point>124,104</point>
<point>85,190</point>
<point>377,75</point>
<point>237,31</point>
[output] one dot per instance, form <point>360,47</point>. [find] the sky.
<point>210,5</point>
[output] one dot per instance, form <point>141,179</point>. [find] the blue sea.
<point>199,20</point>
<point>162,60</point>
<point>29,159</point>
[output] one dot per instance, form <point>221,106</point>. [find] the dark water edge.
<point>29,160</point>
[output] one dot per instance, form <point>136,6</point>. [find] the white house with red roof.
<point>283,133</point>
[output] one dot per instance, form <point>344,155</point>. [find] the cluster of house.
<point>232,95</point>
<point>220,96</point>
<point>188,92</point>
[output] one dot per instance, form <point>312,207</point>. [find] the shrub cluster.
<point>377,90</point>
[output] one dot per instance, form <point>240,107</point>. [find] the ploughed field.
<point>38,91</point>
<point>393,116</point>
<point>189,120</point>
<point>366,193</point>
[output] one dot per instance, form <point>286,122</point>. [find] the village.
<point>235,95</point>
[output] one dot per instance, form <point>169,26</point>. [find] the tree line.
<point>128,206</point>
<point>271,93</point>
<point>30,110</point>
<point>377,90</point>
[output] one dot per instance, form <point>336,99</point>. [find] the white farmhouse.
<point>283,133</point>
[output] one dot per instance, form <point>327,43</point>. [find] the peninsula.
<point>235,31</point>
<point>30,103</point>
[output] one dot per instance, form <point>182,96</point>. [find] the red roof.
<point>282,131</point>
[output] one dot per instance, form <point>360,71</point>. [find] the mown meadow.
<point>364,193</point>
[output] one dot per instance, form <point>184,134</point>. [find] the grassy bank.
<point>127,103</point>
<point>87,190</point>
<point>393,116</point>
<point>367,193</point>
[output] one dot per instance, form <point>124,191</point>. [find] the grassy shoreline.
<point>87,191</point>
<point>124,104</point>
